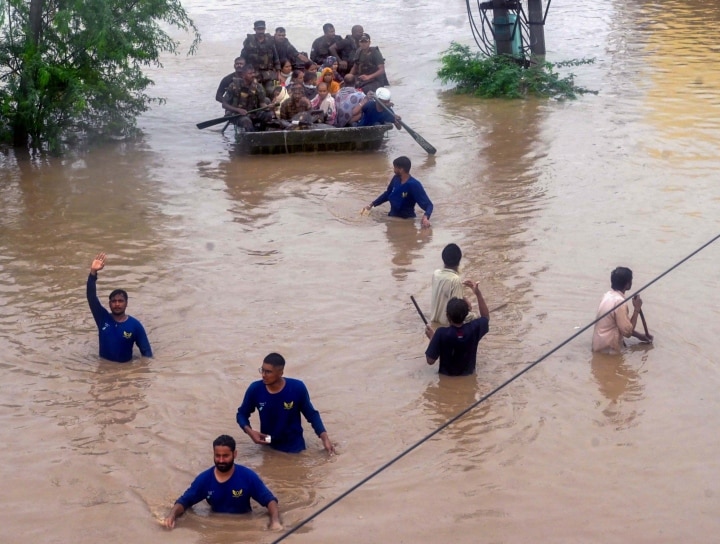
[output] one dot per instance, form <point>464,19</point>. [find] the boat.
<point>312,139</point>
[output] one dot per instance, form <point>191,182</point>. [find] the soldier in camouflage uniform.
<point>369,66</point>
<point>259,51</point>
<point>244,95</point>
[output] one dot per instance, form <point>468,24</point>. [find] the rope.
<point>485,397</point>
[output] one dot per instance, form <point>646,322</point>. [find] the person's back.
<point>446,284</point>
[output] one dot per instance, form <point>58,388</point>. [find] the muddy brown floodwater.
<point>227,258</point>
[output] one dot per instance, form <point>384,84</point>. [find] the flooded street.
<point>227,258</point>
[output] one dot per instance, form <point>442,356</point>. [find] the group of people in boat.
<point>341,83</point>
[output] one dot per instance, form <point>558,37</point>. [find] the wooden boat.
<point>313,139</point>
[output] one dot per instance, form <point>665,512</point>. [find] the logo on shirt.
<point>237,493</point>
<point>404,195</point>
<point>105,326</point>
<point>261,405</point>
<point>288,405</point>
<point>127,335</point>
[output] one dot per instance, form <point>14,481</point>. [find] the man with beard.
<point>246,97</point>
<point>228,79</point>
<point>280,401</point>
<point>226,487</point>
<point>117,331</point>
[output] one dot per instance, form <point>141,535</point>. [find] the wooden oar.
<point>226,118</point>
<point>419,311</point>
<point>419,139</point>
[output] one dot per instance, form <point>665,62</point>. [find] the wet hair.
<point>451,256</point>
<point>122,292</point>
<point>620,277</point>
<point>402,162</point>
<point>274,359</point>
<point>224,440</point>
<point>328,26</point>
<point>309,77</point>
<point>457,310</point>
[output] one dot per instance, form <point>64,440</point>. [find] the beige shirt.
<point>609,331</point>
<point>446,284</point>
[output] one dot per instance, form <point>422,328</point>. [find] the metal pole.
<point>503,28</point>
<point>537,27</point>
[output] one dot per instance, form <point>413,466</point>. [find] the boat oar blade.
<point>415,136</point>
<point>213,122</point>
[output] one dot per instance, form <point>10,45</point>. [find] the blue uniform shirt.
<point>116,339</point>
<point>371,116</point>
<point>231,497</point>
<point>403,197</point>
<point>280,413</point>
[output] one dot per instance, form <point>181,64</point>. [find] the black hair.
<point>457,310</point>
<point>274,359</point>
<point>402,162</point>
<point>224,440</point>
<point>122,292</point>
<point>279,29</point>
<point>328,26</point>
<point>451,256</point>
<point>620,277</point>
<point>309,77</point>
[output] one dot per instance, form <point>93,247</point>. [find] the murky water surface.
<point>227,258</point>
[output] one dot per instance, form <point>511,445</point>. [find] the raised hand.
<point>98,263</point>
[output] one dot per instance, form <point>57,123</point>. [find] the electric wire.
<point>486,396</point>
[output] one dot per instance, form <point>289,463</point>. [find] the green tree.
<point>72,68</point>
<point>502,76</point>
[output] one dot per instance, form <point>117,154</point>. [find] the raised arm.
<point>484,312</point>
<point>96,306</point>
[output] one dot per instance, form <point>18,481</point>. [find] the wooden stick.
<point>419,311</point>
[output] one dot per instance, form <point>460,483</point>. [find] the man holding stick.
<point>610,330</point>
<point>456,345</point>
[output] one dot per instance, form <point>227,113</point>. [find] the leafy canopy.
<point>503,76</point>
<point>80,72</point>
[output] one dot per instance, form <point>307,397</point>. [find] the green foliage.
<point>84,76</point>
<point>502,76</point>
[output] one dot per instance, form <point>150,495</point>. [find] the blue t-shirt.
<point>457,347</point>
<point>371,116</point>
<point>231,497</point>
<point>404,196</point>
<point>280,413</point>
<point>116,339</point>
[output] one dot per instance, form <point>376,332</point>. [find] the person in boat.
<point>347,50</point>
<point>328,77</point>
<point>259,51</point>
<point>348,102</point>
<point>369,66</point>
<point>227,487</point>
<point>403,192</point>
<point>280,95</point>
<point>447,284</point>
<point>285,49</point>
<point>117,331</point>
<point>609,332</point>
<point>310,85</point>
<point>227,80</point>
<point>297,103</point>
<point>374,114</point>
<point>325,45</point>
<point>285,73</point>
<point>280,401</point>
<point>247,95</point>
<point>456,345</point>
<point>332,62</point>
<point>325,103</point>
